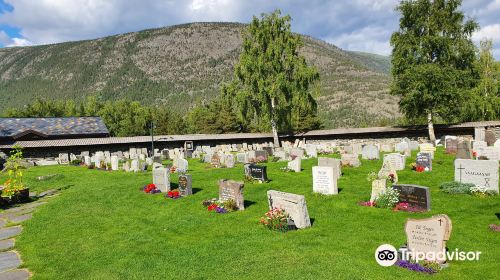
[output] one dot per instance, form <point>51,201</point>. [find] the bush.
<point>388,199</point>
<point>456,187</point>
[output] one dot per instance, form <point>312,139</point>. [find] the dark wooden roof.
<point>16,128</point>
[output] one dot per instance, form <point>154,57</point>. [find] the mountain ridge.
<point>182,66</point>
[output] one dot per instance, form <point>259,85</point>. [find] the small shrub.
<point>387,199</point>
<point>456,187</point>
<point>76,162</point>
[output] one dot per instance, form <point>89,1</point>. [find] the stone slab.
<point>9,260</point>
<point>6,233</point>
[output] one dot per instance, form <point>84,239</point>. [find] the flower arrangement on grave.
<point>405,207</point>
<point>91,166</point>
<point>14,185</point>
<point>495,228</point>
<point>388,199</point>
<point>173,169</point>
<point>220,207</point>
<point>150,188</point>
<point>413,166</point>
<point>426,267</point>
<point>474,154</point>
<point>481,191</point>
<point>173,194</point>
<point>275,219</point>
<point>260,159</point>
<point>76,162</point>
<point>286,169</point>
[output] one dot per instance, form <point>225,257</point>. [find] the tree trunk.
<point>273,126</point>
<point>430,127</point>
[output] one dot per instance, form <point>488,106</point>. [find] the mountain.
<point>184,65</point>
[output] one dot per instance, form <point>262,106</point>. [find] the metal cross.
<point>440,221</point>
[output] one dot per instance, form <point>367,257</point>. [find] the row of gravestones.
<point>467,149</point>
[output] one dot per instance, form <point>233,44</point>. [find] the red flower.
<point>212,207</point>
<point>474,154</point>
<point>420,169</point>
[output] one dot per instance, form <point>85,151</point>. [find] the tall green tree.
<point>432,59</point>
<point>271,77</point>
<point>484,101</point>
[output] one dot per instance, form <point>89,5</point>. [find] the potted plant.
<point>14,190</point>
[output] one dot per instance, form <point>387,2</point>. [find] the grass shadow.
<point>196,190</point>
<point>248,203</point>
<point>498,215</point>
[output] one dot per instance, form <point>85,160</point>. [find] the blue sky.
<point>362,25</point>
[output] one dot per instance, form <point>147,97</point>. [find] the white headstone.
<point>370,152</point>
<point>114,163</point>
<point>397,160</point>
<point>482,173</point>
<point>295,165</point>
<point>324,180</point>
<point>293,204</point>
<point>161,178</point>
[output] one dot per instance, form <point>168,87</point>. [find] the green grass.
<point>103,227</point>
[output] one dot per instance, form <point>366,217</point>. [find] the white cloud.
<point>364,25</point>
<point>7,41</point>
<point>490,32</point>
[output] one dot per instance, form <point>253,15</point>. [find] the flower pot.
<point>21,196</point>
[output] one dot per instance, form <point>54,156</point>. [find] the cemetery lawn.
<point>102,227</point>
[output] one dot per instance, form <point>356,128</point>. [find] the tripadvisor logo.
<point>387,255</point>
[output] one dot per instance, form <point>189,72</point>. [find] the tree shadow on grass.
<point>248,203</point>
<point>498,215</point>
<point>196,190</point>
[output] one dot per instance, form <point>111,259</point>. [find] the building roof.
<point>50,127</point>
<point>228,137</point>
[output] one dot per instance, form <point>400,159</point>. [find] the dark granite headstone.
<point>414,195</point>
<point>256,172</point>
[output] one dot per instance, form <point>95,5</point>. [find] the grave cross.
<point>440,221</point>
<point>461,168</point>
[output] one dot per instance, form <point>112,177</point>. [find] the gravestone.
<point>429,236</point>
<point>293,204</point>
<point>241,157</point>
<point>491,153</point>
<point>350,160</point>
<point>126,166</point>
<point>489,137</point>
<point>335,163</point>
<point>295,165</point>
<point>87,160</point>
<point>386,148</point>
<point>424,160</point>
<point>386,170</point>
<point>478,146</point>
<point>296,152</point>
<point>161,178</point>
<point>451,145</point>
<point>497,143</point>
<point>182,165</point>
<point>464,149</point>
<point>114,163</point>
<point>261,155</point>
<point>251,156</point>
<point>482,173</point>
<point>215,160</point>
<point>269,150</point>
<point>281,155</point>
<point>402,147</point>
<point>229,161</point>
<point>207,158</point>
<point>311,151</point>
<point>356,148</point>
<point>232,190</point>
<point>188,145</point>
<point>414,195</point>
<point>134,165</point>
<point>397,160</point>
<point>413,145</point>
<point>370,152</point>
<point>479,133</point>
<point>378,188</point>
<point>428,148</point>
<point>324,180</point>
<point>63,158</point>
<point>185,185</point>
<point>256,172</point>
